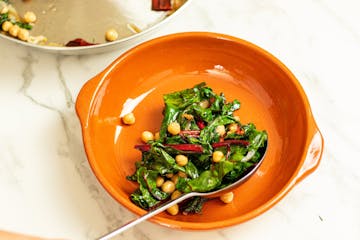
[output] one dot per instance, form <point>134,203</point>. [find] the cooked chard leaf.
<point>193,205</point>
<point>143,197</point>
<point>191,170</point>
<point>150,179</point>
<point>208,134</point>
<point>230,107</point>
<point>207,181</point>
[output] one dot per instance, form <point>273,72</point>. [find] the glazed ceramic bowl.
<point>270,97</point>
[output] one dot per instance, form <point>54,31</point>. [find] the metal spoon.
<point>170,203</point>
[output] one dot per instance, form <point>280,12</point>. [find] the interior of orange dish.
<point>268,98</point>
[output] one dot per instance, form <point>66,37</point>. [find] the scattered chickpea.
<point>220,130</point>
<point>217,156</point>
<point>23,34</point>
<point>159,181</point>
<point>168,187</point>
<point>111,35</point>
<point>6,26</point>
<point>173,210</point>
<point>174,128</point>
<point>227,197</point>
<point>233,127</point>
<point>129,119</point>
<point>188,116</point>
<point>181,160</point>
<point>204,104</point>
<point>29,17</point>
<point>237,118</point>
<point>175,179</point>
<point>182,174</point>
<point>147,136</point>
<point>157,136</point>
<point>14,30</point>
<point>175,194</point>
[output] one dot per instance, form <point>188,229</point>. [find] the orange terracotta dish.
<point>270,97</point>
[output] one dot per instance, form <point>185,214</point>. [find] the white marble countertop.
<point>46,185</point>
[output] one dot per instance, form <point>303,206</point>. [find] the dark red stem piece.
<point>161,5</point>
<point>181,147</point>
<point>190,133</point>
<point>187,147</point>
<point>194,147</point>
<point>200,124</point>
<point>230,142</point>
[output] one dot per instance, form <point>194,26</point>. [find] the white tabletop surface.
<point>48,189</point>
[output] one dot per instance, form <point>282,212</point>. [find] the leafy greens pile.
<point>198,139</point>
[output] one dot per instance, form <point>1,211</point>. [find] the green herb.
<point>3,18</point>
<point>23,25</point>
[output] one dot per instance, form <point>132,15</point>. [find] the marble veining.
<point>48,188</point>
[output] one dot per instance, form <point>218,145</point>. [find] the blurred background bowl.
<point>270,96</point>
<point>62,21</point>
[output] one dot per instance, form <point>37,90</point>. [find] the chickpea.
<point>29,17</point>
<point>220,130</point>
<point>237,118</point>
<point>14,30</point>
<point>147,136</point>
<point>168,187</point>
<point>233,127</point>
<point>175,194</point>
<point>173,210</point>
<point>204,104</point>
<point>159,181</point>
<point>181,160</point>
<point>6,26</point>
<point>182,174</point>
<point>111,35</point>
<point>174,128</point>
<point>23,34</point>
<point>175,179</point>
<point>129,119</point>
<point>157,136</point>
<point>217,156</point>
<point>227,197</point>
<point>4,10</point>
<point>188,116</point>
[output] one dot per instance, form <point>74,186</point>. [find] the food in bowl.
<point>200,147</point>
<point>271,97</point>
<point>90,23</point>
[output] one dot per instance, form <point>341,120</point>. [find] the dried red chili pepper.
<point>79,42</point>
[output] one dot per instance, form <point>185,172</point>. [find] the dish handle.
<point>314,152</point>
<point>85,98</point>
